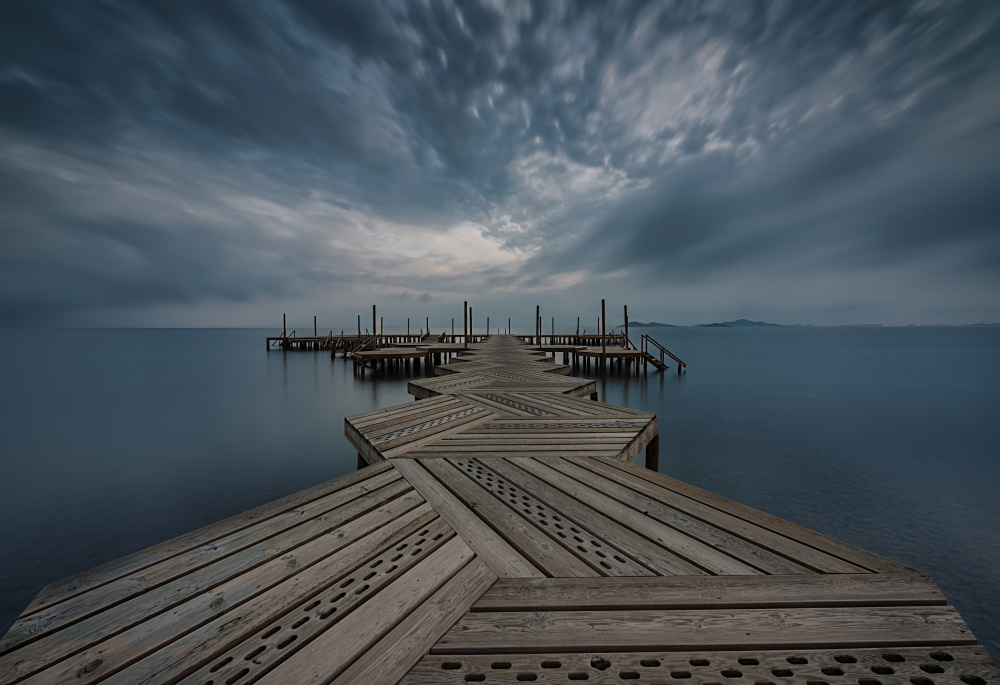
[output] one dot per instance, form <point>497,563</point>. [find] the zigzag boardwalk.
<point>501,534</point>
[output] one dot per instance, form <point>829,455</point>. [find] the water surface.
<point>115,440</point>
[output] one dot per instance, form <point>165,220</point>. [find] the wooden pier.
<point>498,532</point>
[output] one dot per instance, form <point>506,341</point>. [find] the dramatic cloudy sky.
<point>217,163</point>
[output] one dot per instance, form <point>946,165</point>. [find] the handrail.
<point>646,339</point>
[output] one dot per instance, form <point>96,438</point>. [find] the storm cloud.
<point>190,163</point>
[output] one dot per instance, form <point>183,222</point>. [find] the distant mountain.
<point>651,324</point>
<point>739,323</point>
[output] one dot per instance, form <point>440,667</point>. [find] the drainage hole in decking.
<point>451,665</point>
<point>942,656</point>
<point>921,681</point>
<point>475,678</point>
<point>619,559</point>
<point>605,564</point>
<point>797,660</point>
<point>271,632</point>
<point>287,641</point>
<point>649,663</point>
<point>328,613</point>
<point>378,562</point>
<point>301,622</point>
<point>417,551</point>
<point>370,575</point>
<point>313,605</point>
<point>237,676</point>
<point>679,675</point>
<point>401,547</point>
<point>628,675</point>
<point>220,664</point>
<point>439,536</point>
<point>391,569</point>
<point>972,680</point>
<point>582,548</point>
<point>781,672</point>
<point>255,653</point>
<point>699,662</point>
<point>869,681</point>
<point>347,582</point>
<point>845,659</point>
<point>551,664</point>
<point>829,670</point>
<point>526,676</point>
<point>895,658</point>
<point>397,557</point>
<point>732,673</point>
<point>931,668</point>
<point>500,665</point>
<point>578,676</point>
<point>748,661</point>
<point>361,589</point>
<point>882,670</point>
<point>339,597</point>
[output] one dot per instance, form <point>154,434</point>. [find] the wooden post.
<point>359,325</point>
<point>314,325</point>
<point>453,329</point>
<point>374,328</point>
<point>465,323</point>
<point>653,453</point>
<point>553,329</point>
<point>284,326</point>
<point>381,327</point>
<point>487,325</point>
<point>538,324</point>
<point>407,328</point>
<point>361,461</point>
<point>604,329</point>
<point>470,321</point>
<point>578,326</point>
<point>427,320</point>
<point>626,327</point>
<point>508,325</point>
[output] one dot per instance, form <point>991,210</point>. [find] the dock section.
<point>499,534</point>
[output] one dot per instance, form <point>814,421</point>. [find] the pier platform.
<point>498,532</point>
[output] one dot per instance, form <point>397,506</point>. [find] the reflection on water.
<point>886,438</point>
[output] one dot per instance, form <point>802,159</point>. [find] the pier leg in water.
<point>653,454</point>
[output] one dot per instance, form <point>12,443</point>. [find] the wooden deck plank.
<point>135,594</point>
<point>752,548</point>
<point>77,584</point>
<point>948,664</point>
<point>505,561</point>
<point>726,629</point>
<point>667,505</point>
<point>241,630</point>
<point>823,543</point>
<point>200,596</point>
<point>152,577</point>
<point>543,552</point>
<point>679,544</point>
<point>335,649</point>
<point>615,536</point>
<point>704,592</point>
<point>393,656</point>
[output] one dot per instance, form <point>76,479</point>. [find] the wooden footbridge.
<point>498,532</point>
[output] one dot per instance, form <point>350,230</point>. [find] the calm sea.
<point>886,438</point>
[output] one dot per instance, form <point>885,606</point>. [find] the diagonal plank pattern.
<point>500,534</point>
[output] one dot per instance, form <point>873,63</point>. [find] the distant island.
<point>739,323</point>
<point>651,324</point>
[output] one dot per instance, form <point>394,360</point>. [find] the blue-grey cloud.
<point>820,161</point>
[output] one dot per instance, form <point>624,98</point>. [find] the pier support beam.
<point>653,453</point>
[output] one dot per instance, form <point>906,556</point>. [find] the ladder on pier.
<point>658,360</point>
